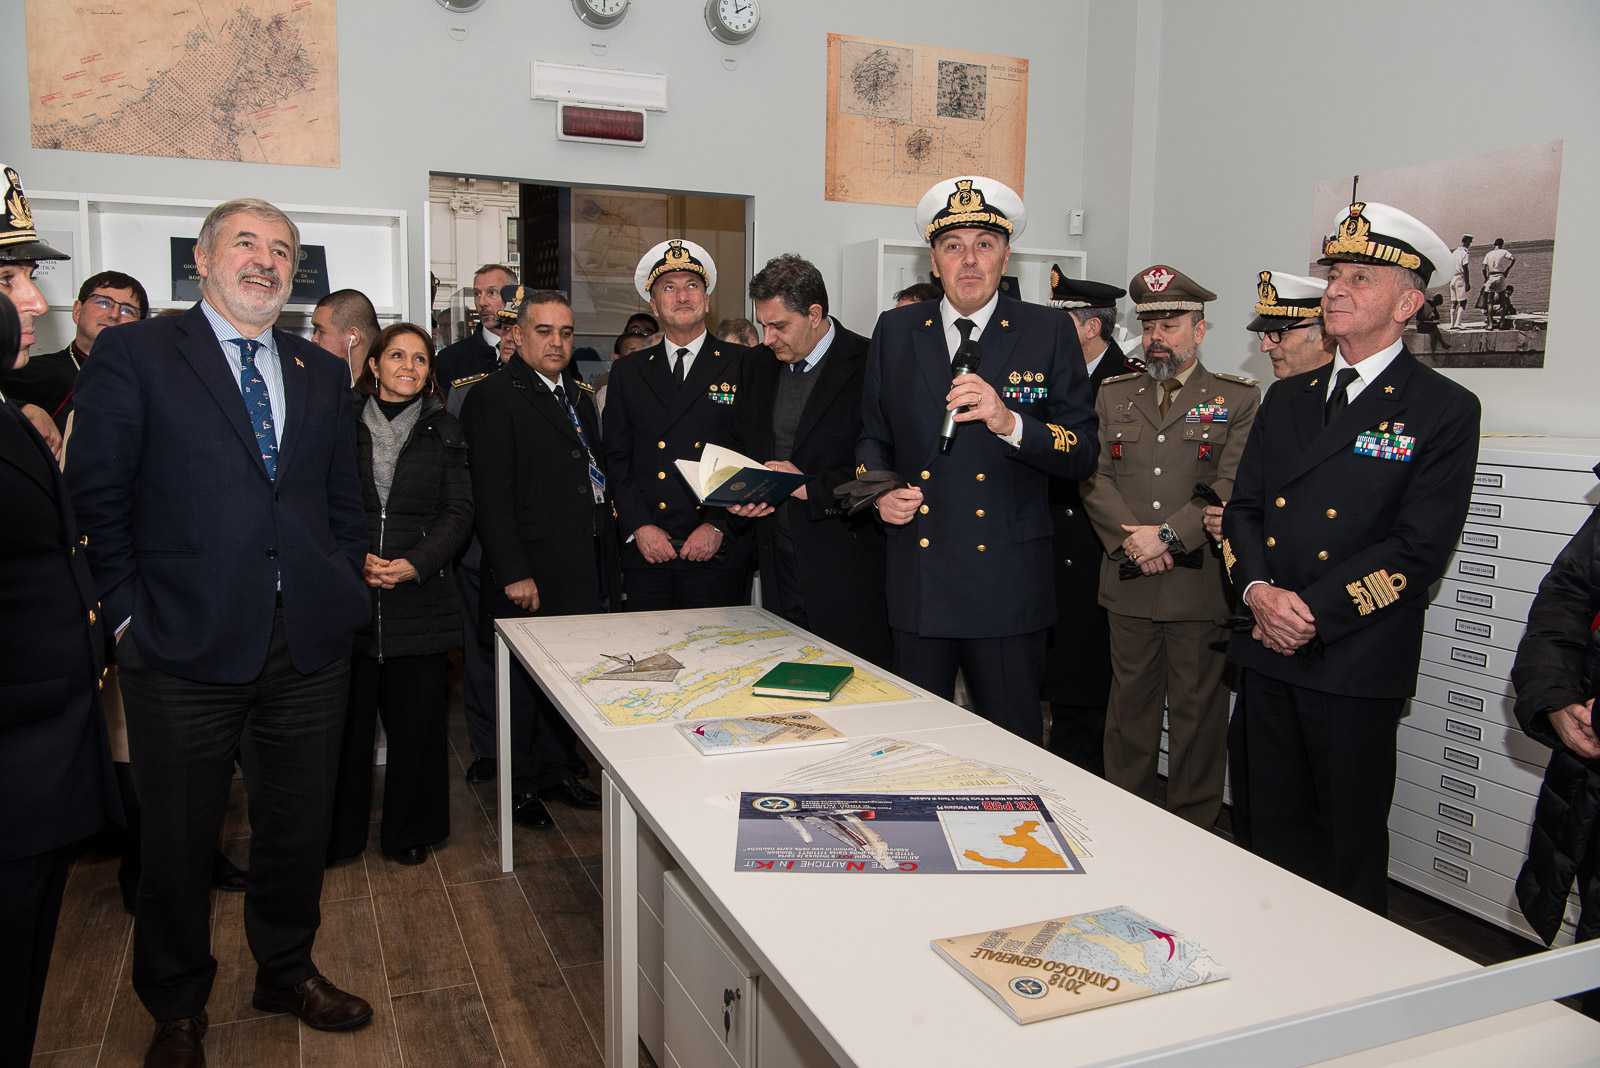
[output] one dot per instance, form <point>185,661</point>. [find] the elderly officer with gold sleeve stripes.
<point>1161,432</point>
<point>1348,502</point>
<point>969,541</point>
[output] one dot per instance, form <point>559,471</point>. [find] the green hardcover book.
<point>810,682</point>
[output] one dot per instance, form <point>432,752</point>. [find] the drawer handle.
<point>729,996</point>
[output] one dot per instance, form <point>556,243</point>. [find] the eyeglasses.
<point>125,311</point>
<point>1276,336</point>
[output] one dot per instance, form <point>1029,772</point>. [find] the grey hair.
<point>1106,317</point>
<point>247,206</point>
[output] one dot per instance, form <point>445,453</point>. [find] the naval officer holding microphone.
<point>969,539</point>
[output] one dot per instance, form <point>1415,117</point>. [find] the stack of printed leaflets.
<point>743,734</point>
<point>893,766</point>
<point>1055,967</point>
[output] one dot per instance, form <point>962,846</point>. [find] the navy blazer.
<point>1359,537</point>
<point>975,562</point>
<point>187,534</point>
<point>56,786</point>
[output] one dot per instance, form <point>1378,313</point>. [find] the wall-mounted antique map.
<point>255,81</point>
<point>902,116</point>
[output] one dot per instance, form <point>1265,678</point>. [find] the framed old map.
<point>902,116</point>
<point>254,81</point>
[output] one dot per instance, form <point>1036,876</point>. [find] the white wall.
<point>1261,99</point>
<point>413,100</point>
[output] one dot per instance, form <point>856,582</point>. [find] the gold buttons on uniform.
<point>1323,555</point>
<point>923,543</point>
<point>661,474</point>
<point>980,513</point>
<point>1332,513</point>
<point>92,616</point>
<point>1279,502</point>
<point>1159,438</point>
<point>1271,542</point>
<point>923,509</point>
<point>1158,470</point>
<point>983,548</point>
<point>980,478</point>
<point>926,475</point>
<point>662,506</point>
<point>661,444</point>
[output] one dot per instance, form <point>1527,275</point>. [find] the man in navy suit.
<point>800,410</point>
<point>969,541</point>
<point>213,473</point>
<point>1349,499</point>
<point>56,786</point>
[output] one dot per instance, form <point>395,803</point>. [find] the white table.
<point>862,976</point>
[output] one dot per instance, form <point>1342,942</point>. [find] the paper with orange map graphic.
<point>253,81</point>
<point>902,116</point>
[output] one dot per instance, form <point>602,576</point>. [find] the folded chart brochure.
<point>899,834</point>
<point>724,478</point>
<point>891,765</point>
<point>1055,967</point>
<point>808,682</point>
<point>781,730</point>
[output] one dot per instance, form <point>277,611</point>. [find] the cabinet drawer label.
<point>1455,871</point>
<point>1485,510</point>
<point>1464,730</point>
<point>1475,569</point>
<point>1460,815</point>
<point>1464,700</point>
<point>1450,841</point>
<point>1488,480</point>
<point>1469,656</point>
<point>1456,756</point>
<point>1456,786</point>
<point>1474,628</point>
<point>1480,541</point>
<point>1474,598</point>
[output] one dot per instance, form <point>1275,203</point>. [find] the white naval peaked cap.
<point>1381,234</point>
<point>677,254</point>
<point>1283,299</point>
<point>970,200</point>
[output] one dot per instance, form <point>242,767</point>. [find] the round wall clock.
<point>733,21</point>
<point>601,14</point>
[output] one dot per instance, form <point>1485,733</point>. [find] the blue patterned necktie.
<point>257,405</point>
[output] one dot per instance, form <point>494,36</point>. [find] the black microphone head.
<point>965,361</point>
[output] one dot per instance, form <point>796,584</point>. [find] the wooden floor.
<point>465,966</point>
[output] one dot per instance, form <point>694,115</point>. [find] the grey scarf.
<point>388,438</point>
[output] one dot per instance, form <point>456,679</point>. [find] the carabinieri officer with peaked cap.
<point>969,540</point>
<point>1348,502</point>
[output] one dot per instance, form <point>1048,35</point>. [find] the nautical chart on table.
<point>660,667</point>
<point>254,81</point>
<point>902,116</point>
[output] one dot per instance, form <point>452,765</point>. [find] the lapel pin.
<point>1388,389</point>
<point>1314,381</point>
<point>297,362</point>
<point>927,322</point>
<point>1005,322</point>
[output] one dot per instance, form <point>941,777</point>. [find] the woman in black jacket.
<point>1557,675</point>
<point>412,458</point>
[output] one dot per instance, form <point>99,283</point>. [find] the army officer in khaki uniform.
<point>1161,432</point>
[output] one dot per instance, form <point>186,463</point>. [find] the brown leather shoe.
<point>178,1044</point>
<point>316,1001</point>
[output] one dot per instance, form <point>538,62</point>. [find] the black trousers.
<point>656,589</point>
<point>1078,735</point>
<point>410,693</point>
<point>477,659</point>
<point>182,737</point>
<point>1319,777</point>
<point>30,904</point>
<point>544,747</point>
<point>1002,674</point>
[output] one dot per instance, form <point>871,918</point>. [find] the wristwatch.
<point>1167,535</point>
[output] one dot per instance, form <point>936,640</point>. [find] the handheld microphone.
<point>965,362</point>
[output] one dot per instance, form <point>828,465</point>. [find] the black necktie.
<point>966,326</point>
<point>1338,398</point>
<point>678,368</point>
<point>798,368</point>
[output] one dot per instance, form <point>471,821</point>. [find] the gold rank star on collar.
<point>1388,389</point>
<point>1005,322</point>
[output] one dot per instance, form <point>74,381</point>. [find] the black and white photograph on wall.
<point>1489,306</point>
